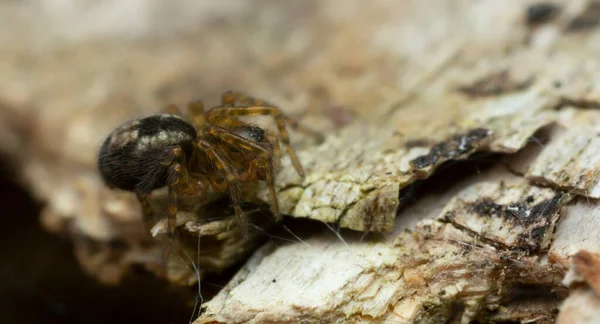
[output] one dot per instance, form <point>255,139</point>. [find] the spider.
<point>215,150</point>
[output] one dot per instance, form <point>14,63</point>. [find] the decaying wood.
<point>571,161</point>
<point>422,276</point>
<point>583,305</point>
<point>587,265</point>
<point>509,233</point>
<point>417,86</point>
<point>577,230</point>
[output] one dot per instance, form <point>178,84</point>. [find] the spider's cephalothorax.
<point>215,149</point>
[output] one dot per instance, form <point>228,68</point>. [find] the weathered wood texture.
<point>583,304</point>
<point>489,242</point>
<point>401,89</point>
<point>481,248</point>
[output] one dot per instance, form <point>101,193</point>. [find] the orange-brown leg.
<point>231,178</point>
<point>276,150</point>
<point>171,212</point>
<point>227,122</point>
<point>236,98</point>
<point>147,214</point>
<point>264,164</point>
<point>280,121</point>
<point>172,110</point>
<point>197,114</point>
<point>264,160</point>
<point>186,184</point>
<point>179,182</point>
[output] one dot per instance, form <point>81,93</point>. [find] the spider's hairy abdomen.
<point>136,155</point>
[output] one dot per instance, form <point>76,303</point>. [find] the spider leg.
<point>232,98</point>
<point>231,178</point>
<point>279,118</point>
<point>264,160</point>
<point>178,182</point>
<point>171,210</point>
<point>276,150</point>
<point>196,113</point>
<point>171,110</point>
<point>224,135</point>
<point>147,214</point>
<point>265,163</point>
<point>236,98</point>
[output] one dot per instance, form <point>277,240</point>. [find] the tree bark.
<point>459,171</point>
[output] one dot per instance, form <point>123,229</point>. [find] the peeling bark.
<point>443,265</point>
<point>583,305</point>
<point>487,78</point>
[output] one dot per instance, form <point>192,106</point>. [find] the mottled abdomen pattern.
<point>136,155</point>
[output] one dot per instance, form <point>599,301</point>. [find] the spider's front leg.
<point>147,213</point>
<point>179,182</point>
<point>264,160</point>
<point>264,163</point>
<point>224,166</point>
<point>227,110</point>
<point>242,100</point>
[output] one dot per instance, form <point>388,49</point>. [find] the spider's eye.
<point>253,133</point>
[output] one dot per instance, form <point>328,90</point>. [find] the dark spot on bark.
<point>494,85</point>
<point>557,84</point>
<point>577,103</point>
<point>523,247</point>
<point>274,281</point>
<point>449,216</point>
<point>487,207</point>
<point>451,149</point>
<point>529,199</point>
<point>417,143</point>
<point>588,19</point>
<point>538,232</point>
<point>519,211</point>
<point>546,207</point>
<point>541,13</point>
<point>530,241</point>
<point>466,249</point>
